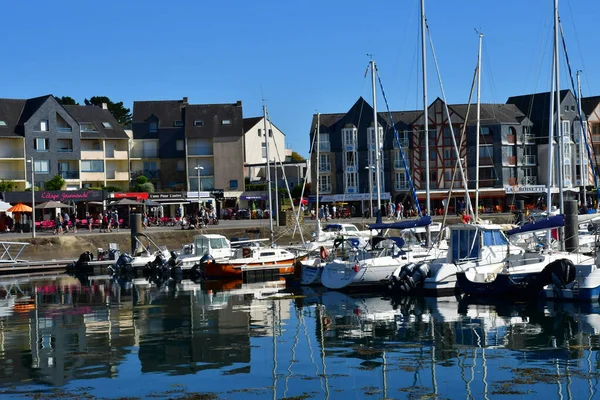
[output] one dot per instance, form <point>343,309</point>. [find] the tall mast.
<point>558,121</point>
<point>268,173</point>
<point>318,173</point>
<point>582,141</point>
<point>425,113</point>
<point>478,127</point>
<point>377,144</point>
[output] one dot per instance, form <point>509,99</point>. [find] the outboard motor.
<point>409,277</point>
<point>123,265</point>
<point>559,272</point>
<point>102,254</point>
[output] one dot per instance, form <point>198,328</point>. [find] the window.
<point>324,165</point>
<point>41,144</point>
<point>87,127</point>
<point>178,123</point>
<point>226,122</point>
<point>259,132</point>
<point>486,152</point>
<point>566,128</point>
<point>107,125</point>
<point>41,167</point>
<point>350,159</point>
<point>325,183</point>
<point>324,144</point>
<point>400,181</point>
<point>349,136</point>
<point>92,166</point>
<point>572,108</point>
<point>566,108</point>
<point>2,123</point>
<point>153,126</point>
<point>486,130</point>
<point>44,125</point>
<point>180,165</point>
<point>351,181</point>
<point>179,145</point>
<point>264,149</point>
<point>198,122</point>
<point>233,184</point>
<point>270,132</point>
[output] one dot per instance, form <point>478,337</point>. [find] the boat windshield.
<point>218,243</point>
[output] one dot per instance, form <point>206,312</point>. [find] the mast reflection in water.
<point>104,338</point>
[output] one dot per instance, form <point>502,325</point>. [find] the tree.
<point>142,185</point>
<point>56,183</point>
<point>297,157</point>
<point>67,101</point>
<point>118,110</point>
<point>297,191</point>
<point>7,185</point>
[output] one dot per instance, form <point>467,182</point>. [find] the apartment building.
<point>55,138</point>
<point>590,108</point>
<point>188,147</point>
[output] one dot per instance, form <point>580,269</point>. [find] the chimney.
<point>239,103</point>
<point>104,106</point>
<point>185,100</point>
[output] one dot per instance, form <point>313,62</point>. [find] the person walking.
<point>115,219</point>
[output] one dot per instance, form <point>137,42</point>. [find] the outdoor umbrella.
<point>152,203</point>
<point>4,206</point>
<point>19,208</point>
<point>126,202</point>
<point>52,204</point>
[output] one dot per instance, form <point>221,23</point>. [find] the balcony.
<point>116,154</point>
<point>69,174</point>
<point>14,175</point>
<point>92,176</point>
<point>144,153</point>
<point>200,151</point>
<point>529,180</point>
<point>148,173</point>
<point>324,167</point>
<point>117,175</point>
<point>64,129</point>
<point>401,186</point>
<point>529,160</point>
<point>92,155</point>
<point>325,146</point>
<point>511,160</point>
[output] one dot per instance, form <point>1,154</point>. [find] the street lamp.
<point>369,168</point>
<point>32,197</point>
<point>198,168</point>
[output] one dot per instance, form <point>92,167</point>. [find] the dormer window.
<point>153,126</point>
<point>44,125</point>
<point>178,123</point>
<point>226,122</point>
<point>198,122</point>
<point>87,127</point>
<point>107,125</point>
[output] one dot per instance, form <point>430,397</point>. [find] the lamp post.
<point>198,168</point>
<point>32,197</point>
<point>369,168</point>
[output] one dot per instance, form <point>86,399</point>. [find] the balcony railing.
<point>398,164</point>
<point>92,155</point>
<point>69,174</point>
<point>8,152</point>
<point>144,153</point>
<point>116,154</point>
<point>529,180</point>
<point>324,167</point>
<point>117,175</point>
<point>148,173</point>
<point>65,149</point>
<point>64,129</point>
<point>200,151</point>
<point>14,175</point>
<point>325,146</point>
<point>529,160</point>
<point>401,186</point>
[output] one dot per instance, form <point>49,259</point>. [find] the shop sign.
<point>55,195</point>
<point>167,196</point>
<point>329,198</point>
<point>137,195</point>
<point>515,189</point>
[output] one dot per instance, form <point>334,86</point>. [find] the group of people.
<point>395,210</point>
<point>108,220</point>
<point>205,216</point>
<point>63,224</point>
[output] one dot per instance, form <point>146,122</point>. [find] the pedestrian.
<point>89,219</point>
<point>334,209</point>
<point>104,227</point>
<point>65,222</point>
<point>74,221</point>
<point>115,219</point>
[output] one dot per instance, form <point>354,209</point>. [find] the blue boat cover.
<point>555,221</point>
<point>404,224</point>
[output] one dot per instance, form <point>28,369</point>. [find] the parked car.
<point>242,213</point>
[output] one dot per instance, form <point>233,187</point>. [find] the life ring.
<point>324,253</point>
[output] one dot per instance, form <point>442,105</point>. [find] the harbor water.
<point>95,337</point>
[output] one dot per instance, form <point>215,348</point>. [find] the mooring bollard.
<point>571,226</point>
<point>135,223</point>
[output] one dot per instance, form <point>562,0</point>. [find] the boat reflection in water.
<point>165,339</point>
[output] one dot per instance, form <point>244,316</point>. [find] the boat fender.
<point>323,252</point>
<point>356,268</point>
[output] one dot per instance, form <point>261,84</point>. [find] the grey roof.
<point>10,113</point>
<point>490,113</point>
<point>249,123</point>
<point>589,104</point>
<point>167,111</point>
<point>97,115</point>
<point>535,106</point>
<point>212,116</point>
<point>31,106</point>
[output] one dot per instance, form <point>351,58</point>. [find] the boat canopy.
<point>405,224</point>
<point>555,221</point>
<point>398,241</point>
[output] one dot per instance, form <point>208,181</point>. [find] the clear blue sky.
<point>300,56</point>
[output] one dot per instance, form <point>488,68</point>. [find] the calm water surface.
<point>62,337</point>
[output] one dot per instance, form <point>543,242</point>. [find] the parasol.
<point>18,208</point>
<point>125,202</point>
<point>52,204</point>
